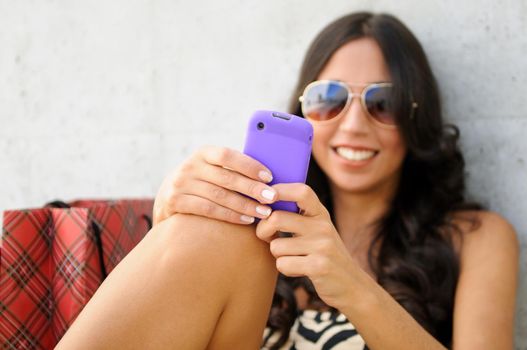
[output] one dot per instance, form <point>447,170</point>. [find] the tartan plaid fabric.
<point>50,265</point>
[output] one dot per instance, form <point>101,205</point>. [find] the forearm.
<point>381,321</point>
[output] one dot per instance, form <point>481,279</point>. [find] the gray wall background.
<point>102,98</point>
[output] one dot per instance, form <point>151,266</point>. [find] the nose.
<point>355,120</point>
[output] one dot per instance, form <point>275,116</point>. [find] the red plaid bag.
<point>52,260</point>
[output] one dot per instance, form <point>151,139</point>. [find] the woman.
<point>386,251</point>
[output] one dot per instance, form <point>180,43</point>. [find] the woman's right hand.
<point>211,183</point>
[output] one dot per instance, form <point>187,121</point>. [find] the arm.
<point>316,251</point>
<point>484,301</point>
<point>486,292</point>
<point>382,322</point>
<point>192,283</point>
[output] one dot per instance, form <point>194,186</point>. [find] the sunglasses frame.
<point>351,95</point>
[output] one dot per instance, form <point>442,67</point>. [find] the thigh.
<point>175,289</point>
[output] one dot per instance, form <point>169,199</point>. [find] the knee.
<point>200,238</point>
<point>183,229</point>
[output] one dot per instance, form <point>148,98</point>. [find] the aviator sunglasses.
<point>325,100</point>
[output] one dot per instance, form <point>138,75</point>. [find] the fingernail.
<point>268,194</point>
<point>247,219</point>
<point>265,176</point>
<point>265,211</point>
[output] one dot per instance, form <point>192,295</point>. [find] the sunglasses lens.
<point>379,102</point>
<point>324,100</point>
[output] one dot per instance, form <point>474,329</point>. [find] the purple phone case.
<point>283,145</point>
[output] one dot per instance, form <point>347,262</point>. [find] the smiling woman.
<point>385,250</point>
<point>351,148</point>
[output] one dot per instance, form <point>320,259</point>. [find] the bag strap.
<point>148,220</point>
<point>98,242</point>
<point>57,204</point>
<point>96,232</point>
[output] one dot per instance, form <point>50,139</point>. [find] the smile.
<point>354,155</point>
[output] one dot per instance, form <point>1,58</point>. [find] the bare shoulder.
<point>485,232</point>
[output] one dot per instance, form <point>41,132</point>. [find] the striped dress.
<point>318,330</point>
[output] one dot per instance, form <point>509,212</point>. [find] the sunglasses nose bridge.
<point>355,117</point>
<point>351,96</point>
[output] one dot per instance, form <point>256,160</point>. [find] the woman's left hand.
<point>315,250</point>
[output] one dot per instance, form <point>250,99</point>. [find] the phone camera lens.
<point>260,126</point>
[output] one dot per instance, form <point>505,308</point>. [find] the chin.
<point>352,184</point>
<point>362,184</point>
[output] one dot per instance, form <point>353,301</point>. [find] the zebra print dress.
<point>318,330</point>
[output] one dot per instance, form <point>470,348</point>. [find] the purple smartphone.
<point>282,142</point>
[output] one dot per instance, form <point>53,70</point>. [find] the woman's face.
<point>356,154</point>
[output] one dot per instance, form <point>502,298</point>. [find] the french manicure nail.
<point>268,194</point>
<point>265,176</point>
<point>265,211</point>
<point>248,219</point>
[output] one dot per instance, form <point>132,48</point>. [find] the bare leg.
<point>191,283</point>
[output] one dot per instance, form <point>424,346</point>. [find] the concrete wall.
<point>103,98</point>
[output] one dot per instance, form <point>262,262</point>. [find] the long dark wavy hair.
<point>414,256</point>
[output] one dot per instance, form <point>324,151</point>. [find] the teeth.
<point>351,154</point>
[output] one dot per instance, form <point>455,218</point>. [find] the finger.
<point>234,181</point>
<point>190,204</point>
<point>303,195</point>
<point>292,266</point>
<point>284,221</point>
<point>237,161</point>
<point>227,199</point>
<point>290,246</point>
<point>158,212</point>
<point>165,195</point>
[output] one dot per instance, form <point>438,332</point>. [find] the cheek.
<point>394,146</point>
